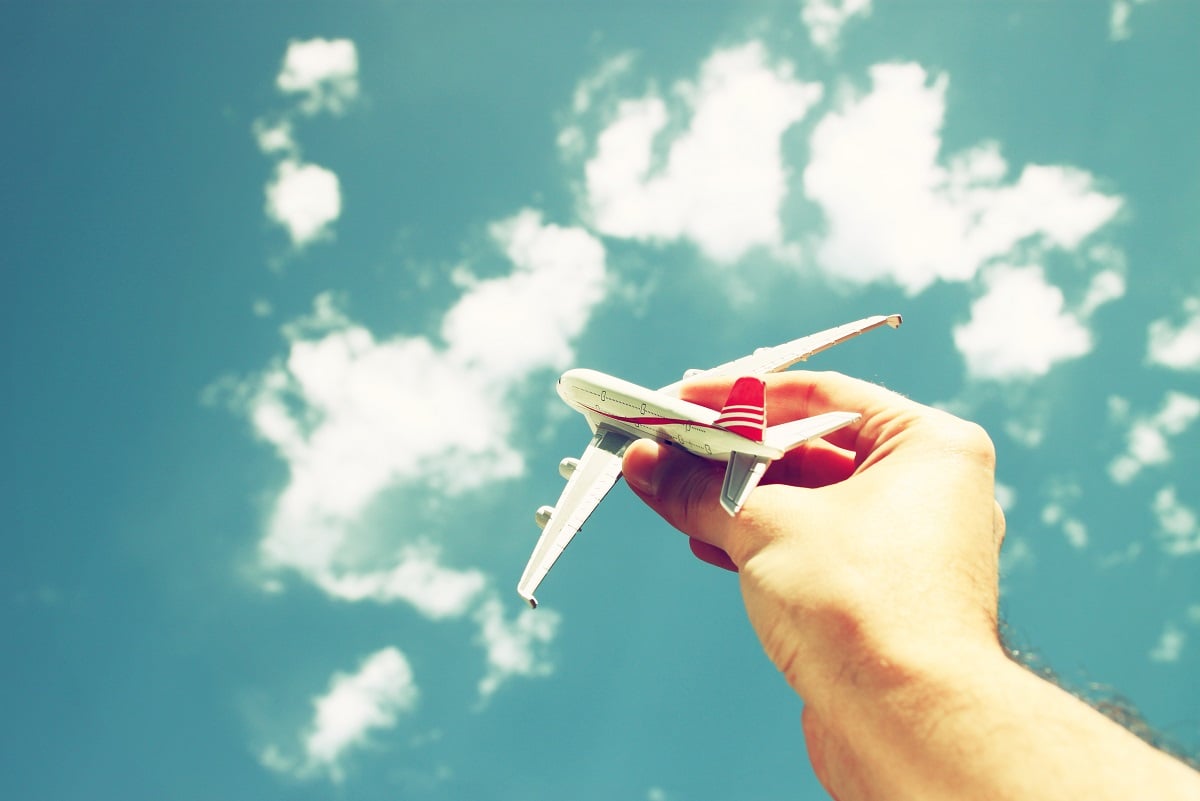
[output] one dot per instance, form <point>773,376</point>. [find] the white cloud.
<point>1019,328</point>
<point>526,321</point>
<point>826,18</point>
<point>353,416</point>
<point>894,212</point>
<point>414,575</point>
<point>1076,532</point>
<point>372,698</point>
<point>513,648</point>
<point>305,199</point>
<point>1177,347</point>
<point>1073,528</point>
<point>722,180</point>
<point>324,72</point>
<point>1118,18</point>
<point>1179,530</point>
<point>275,138</point>
<point>1105,287</point>
<point>1170,644</point>
<point>1148,440</point>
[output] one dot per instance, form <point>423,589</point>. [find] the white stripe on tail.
<point>744,412</point>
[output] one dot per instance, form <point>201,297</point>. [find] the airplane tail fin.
<point>744,412</point>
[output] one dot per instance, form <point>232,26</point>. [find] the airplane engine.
<point>689,373</point>
<point>543,515</point>
<point>566,468</point>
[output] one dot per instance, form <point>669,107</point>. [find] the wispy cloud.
<point>1148,437</point>
<point>826,18</point>
<point>1178,526</point>
<point>1177,346</point>
<point>323,72</point>
<point>1170,644</point>
<point>1063,494</point>
<point>372,698</point>
<point>722,180</point>
<point>1016,556</point>
<point>1118,18</point>
<point>513,648</point>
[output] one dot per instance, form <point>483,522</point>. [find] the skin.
<point>868,564</point>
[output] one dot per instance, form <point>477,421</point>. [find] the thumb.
<point>684,489</point>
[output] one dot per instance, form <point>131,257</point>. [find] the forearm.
<point>978,726</point>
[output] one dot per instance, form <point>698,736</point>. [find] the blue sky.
<point>288,287</point>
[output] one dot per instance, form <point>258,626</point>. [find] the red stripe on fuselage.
<point>655,421</point>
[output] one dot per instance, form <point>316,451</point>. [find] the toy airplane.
<point>620,412</point>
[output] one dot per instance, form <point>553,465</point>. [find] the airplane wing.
<point>781,357</point>
<point>597,471</point>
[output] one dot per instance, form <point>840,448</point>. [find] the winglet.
<point>526,591</point>
<point>744,412</point>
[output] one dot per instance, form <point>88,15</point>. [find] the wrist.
<point>850,649</point>
<point>890,719</point>
<point>974,724</point>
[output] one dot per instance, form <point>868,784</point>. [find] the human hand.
<point>857,557</point>
<point>868,565</point>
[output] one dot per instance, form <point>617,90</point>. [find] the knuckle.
<point>966,438</point>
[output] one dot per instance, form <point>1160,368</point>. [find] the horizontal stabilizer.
<point>788,435</point>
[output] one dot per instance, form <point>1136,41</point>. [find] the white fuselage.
<point>642,412</point>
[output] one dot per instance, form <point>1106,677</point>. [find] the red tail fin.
<point>744,411</point>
